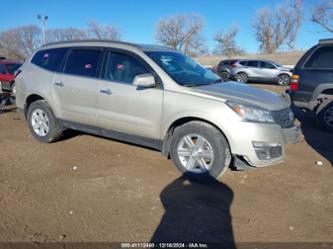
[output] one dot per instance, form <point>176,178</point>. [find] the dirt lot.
<point>87,188</point>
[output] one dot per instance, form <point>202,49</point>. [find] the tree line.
<point>272,29</point>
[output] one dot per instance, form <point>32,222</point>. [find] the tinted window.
<point>243,63</point>
<point>83,62</point>
<point>122,68</point>
<point>322,58</point>
<point>252,64</point>
<point>50,59</point>
<point>12,67</point>
<point>267,65</point>
<point>2,69</point>
<point>183,69</point>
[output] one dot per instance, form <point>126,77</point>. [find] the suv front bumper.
<point>261,144</point>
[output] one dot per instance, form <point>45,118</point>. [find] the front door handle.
<point>105,91</point>
<point>60,84</point>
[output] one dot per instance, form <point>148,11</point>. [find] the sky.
<point>137,19</point>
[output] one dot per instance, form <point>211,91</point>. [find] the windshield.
<point>184,70</point>
<point>12,67</point>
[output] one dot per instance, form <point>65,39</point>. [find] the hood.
<point>243,93</point>
<point>287,69</point>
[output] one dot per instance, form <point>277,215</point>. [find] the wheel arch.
<point>167,137</point>
<point>31,98</point>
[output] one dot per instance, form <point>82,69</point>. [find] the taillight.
<point>233,65</point>
<point>17,72</point>
<point>294,82</point>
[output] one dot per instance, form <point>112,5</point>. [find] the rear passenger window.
<point>83,62</point>
<point>243,63</point>
<point>50,59</point>
<point>322,58</point>
<point>252,63</point>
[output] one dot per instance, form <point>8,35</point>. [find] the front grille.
<point>284,117</point>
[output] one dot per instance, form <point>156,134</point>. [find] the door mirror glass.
<point>144,80</point>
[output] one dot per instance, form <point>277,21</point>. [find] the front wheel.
<point>241,77</point>
<point>283,80</point>
<point>199,148</point>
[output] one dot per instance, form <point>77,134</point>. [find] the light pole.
<point>42,22</point>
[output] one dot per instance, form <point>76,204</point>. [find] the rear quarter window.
<point>50,59</point>
<point>321,58</point>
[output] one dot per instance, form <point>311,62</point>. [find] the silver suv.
<point>260,70</point>
<point>156,97</point>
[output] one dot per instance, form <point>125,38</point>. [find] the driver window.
<point>267,65</point>
<point>122,68</point>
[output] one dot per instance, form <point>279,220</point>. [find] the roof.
<point>143,47</point>
<point>326,41</point>
<point>9,61</point>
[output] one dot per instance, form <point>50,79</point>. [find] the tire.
<point>224,75</point>
<point>13,94</point>
<point>241,77</point>
<point>283,80</point>
<point>40,109</point>
<point>325,117</point>
<point>198,164</point>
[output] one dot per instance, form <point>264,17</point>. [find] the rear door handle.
<point>60,84</point>
<point>105,91</point>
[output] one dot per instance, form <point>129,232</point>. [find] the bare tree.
<point>182,32</point>
<point>282,27</point>
<point>226,42</point>
<point>99,31</point>
<point>19,42</point>
<point>67,34</point>
<point>322,14</point>
<point>298,8</point>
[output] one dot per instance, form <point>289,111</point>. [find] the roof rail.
<point>90,40</point>
<point>325,41</point>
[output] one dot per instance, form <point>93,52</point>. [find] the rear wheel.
<point>43,125</point>
<point>224,75</point>
<point>198,148</point>
<point>241,77</point>
<point>283,80</point>
<point>325,117</point>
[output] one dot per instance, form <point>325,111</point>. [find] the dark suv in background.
<point>311,86</point>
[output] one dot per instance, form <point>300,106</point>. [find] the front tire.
<point>283,80</point>
<point>242,77</point>
<point>43,125</point>
<point>325,117</point>
<point>198,148</point>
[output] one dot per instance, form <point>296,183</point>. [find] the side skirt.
<point>156,144</point>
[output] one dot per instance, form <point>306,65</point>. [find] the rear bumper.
<point>301,99</point>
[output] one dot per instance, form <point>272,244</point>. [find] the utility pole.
<point>42,22</point>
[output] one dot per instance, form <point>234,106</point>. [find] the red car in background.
<point>7,71</point>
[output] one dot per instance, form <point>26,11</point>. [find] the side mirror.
<point>144,80</point>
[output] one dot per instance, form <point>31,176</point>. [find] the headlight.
<point>251,113</point>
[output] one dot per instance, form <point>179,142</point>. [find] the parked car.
<point>311,86</point>
<point>260,70</point>
<point>224,67</point>
<point>7,71</point>
<point>156,97</point>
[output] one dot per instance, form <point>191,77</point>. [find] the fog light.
<point>266,151</point>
